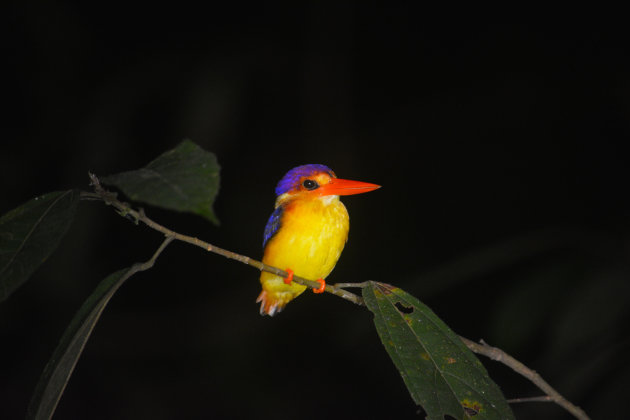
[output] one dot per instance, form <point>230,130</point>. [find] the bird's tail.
<point>273,302</point>
<point>276,293</point>
<point>269,303</point>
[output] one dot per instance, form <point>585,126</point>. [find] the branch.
<point>499,355</point>
<point>493,353</point>
<point>125,210</point>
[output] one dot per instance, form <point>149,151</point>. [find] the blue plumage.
<point>292,178</point>
<point>273,224</point>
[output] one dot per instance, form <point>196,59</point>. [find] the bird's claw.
<point>322,286</point>
<point>289,278</point>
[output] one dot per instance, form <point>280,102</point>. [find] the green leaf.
<point>30,233</point>
<point>441,373</point>
<point>58,370</point>
<point>183,179</point>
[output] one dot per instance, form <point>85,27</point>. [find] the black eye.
<point>309,184</point>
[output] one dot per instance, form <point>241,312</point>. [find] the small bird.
<point>306,232</point>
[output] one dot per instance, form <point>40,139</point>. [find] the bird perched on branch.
<point>306,232</point>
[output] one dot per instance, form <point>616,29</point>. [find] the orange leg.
<point>289,278</point>
<point>322,286</point>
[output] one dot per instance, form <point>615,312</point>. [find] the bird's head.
<point>316,181</point>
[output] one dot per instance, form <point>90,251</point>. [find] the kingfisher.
<point>305,233</point>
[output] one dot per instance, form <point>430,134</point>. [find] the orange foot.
<point>322,286</point>
<point>289,278</point>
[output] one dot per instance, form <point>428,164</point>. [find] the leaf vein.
<point>28,235</point>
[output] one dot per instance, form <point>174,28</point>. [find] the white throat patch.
<point>329,199</point>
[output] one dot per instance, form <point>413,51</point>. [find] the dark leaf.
<point>58,370</point>
<point>441,373</point>
<point>30,233</point>
<point>183,179</point>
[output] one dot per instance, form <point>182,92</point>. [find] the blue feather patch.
<point>273,224</point>
<point>292,178</point>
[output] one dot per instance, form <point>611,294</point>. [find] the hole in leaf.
<point>404,309</point>
<point>420,412</point>
<point>471,411</point>
<point>472,408</point>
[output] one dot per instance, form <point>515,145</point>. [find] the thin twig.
<point>148,264</point>
<point>499,355</point>
<point>138,216</point>
<point>346,285</point>
<point>542,398</point>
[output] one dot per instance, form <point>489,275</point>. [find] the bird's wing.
<point>273,224</point>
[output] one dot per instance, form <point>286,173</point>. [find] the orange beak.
<point>346,187</point>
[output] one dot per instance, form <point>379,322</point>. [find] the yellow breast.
<point>310,240</point>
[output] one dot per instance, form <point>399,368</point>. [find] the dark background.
<point>500,144</point>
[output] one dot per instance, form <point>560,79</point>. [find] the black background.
<point>500,144</point>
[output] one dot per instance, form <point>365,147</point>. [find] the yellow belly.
<point>309,242</point>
